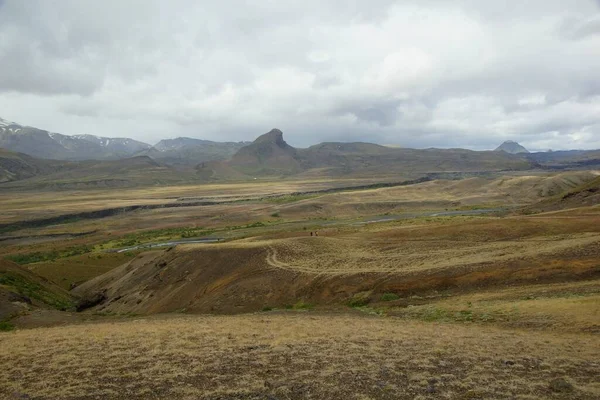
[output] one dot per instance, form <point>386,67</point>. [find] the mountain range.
<point>55,160</point>
<point>189,151</point>
<point>55,146</point>
<point>270,155</point>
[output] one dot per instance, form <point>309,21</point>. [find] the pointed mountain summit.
<point>274,136</point>
<point>512,147</point>
<point>268,154</point>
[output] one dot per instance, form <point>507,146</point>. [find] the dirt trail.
<point>249,275</point>
<point>272,259</point>
<point>342,256</point>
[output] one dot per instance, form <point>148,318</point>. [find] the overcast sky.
<point>426,73</point>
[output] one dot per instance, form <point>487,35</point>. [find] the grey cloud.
<point>383,113</point>
<point>326,81</point>
<point>581,28</point>
<point>24,70</point>
<point>425,73</point>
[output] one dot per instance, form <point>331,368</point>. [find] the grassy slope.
<point>57,260</point>
<point>296,355</point>
<point>17,166</point>
<point>462,308</point>
<point>410,257</point>
<point>584,195</point>
<point>22,291</point>
<point>130,172</point>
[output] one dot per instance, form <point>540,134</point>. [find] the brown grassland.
<point>406,293</point>
<point>296,356</point>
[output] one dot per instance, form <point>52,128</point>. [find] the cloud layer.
<point>427,73</point>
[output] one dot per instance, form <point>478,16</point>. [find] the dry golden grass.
<point>508,190</point>
<point>348,256</point>
<point>17,206</point>
<point>567,307</point>
<point>515,300</point>
<point>295,356</point>
<point>406,257</point>
<point>440,194</point>
<point>437,244</point>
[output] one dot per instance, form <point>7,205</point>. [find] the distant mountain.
<point>43,144</point>
<point>20,170</point>
<point>557,156</point>
<point>17,166</point>
<point>180,143</point>
<point>364,159</point>
<point>567,158</point>
<point>269,154</point>
<point>512,147</point>
<point>189,151</point>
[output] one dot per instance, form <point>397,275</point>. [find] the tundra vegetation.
<point>480,287</point>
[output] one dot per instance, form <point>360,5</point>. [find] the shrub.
<point>40,256</point>
<point>389,297</point>
<point>464,316</point>
<point>357,302</point>
<point>301,305</point>
<point>6,326</point>
<point>561,385</point>
<point>360,299</point>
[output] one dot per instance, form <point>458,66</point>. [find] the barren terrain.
<point>441,289</point>
<point>295,356</point>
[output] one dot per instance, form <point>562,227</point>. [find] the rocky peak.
<point>512,147</point>
<point>273,136</point>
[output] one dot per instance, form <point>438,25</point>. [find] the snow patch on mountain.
<point>5,123</point>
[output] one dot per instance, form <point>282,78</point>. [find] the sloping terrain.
<point>21,291</point>
<point>589,156</point>
<point>409,161</point>
<point>270,155</point>
<point>440,194</point>
<point>584,195</point>
<point>512,147</point>
<point>404,258</point>
<point>295,356</point>
<point>17,166</point>
<point>567,158</point>
<point>340,307</point>
<point>189,151</point>
<point>128,172</point>
<point>43,144</point>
